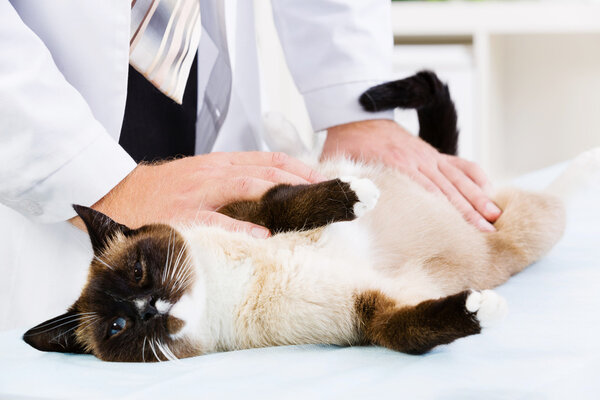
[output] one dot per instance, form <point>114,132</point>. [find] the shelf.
<point>462,19</point>
<point>535,75</point>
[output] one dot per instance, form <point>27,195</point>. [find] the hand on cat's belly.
<point>461,181</point>
<point>192,189</point>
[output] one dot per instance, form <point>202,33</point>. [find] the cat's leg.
<point>292,208</point>
<point>418,329</point>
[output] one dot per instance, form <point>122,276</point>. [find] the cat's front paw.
<point>366,192</point>
<point>487,305</point>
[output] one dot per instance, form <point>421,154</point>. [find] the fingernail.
<point>260,233</point>
<point>485,226</point>
<point>492,208</point>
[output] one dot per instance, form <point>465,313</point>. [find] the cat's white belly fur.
<point>256,298</point>
<point>301,287</point>
<point>250,292</point>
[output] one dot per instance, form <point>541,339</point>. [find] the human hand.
<point>192,189</point>
<point>461,181</point>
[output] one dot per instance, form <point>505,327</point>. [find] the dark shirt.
<point>155,127</point>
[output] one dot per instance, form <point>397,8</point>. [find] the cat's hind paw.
<point>366,192</point>
<point>488,307</point>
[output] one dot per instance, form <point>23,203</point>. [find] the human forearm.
<point>51,146</point>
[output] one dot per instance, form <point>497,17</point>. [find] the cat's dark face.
<point>123,313</point>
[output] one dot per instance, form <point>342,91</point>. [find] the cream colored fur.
<point>300,287</point>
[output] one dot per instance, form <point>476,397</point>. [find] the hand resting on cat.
<point>366,257</point>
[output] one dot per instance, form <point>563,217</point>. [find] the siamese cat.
<point>367,257</point>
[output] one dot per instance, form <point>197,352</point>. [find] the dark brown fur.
<point>287,208</point>
<point>111,290</point>
<point>414,330</point>
<point>430,97</point>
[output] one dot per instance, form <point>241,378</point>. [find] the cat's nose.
<point>148,312</point>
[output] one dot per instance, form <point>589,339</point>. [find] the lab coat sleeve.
<point>336,49</point>
<point>53,152</point>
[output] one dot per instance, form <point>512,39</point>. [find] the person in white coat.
<point>63,95</point>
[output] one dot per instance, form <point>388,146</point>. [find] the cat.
<point>367,257</point>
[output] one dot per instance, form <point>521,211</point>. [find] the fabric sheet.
<point>547,347</point>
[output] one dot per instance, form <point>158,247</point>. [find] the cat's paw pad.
<point>366,191</point>
<point>487,305</point>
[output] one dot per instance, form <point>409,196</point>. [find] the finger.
<point>470,191</point>
<point>270,174</point>
<point>225,191</point>
<point>457,199</point>
<point>233,225</point>
<point>275,160</point>
<point>424,181</point>
<point>474,172</point>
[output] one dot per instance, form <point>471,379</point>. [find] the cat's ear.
<point>99,226</point>
<point>56,334</point>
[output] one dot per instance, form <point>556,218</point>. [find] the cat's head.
<point>124,311</point>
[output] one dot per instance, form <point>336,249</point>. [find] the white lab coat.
<point>63,80</point>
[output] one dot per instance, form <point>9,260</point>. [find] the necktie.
<point>164,40</point>
<point>215,102</point>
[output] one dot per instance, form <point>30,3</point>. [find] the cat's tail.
<point>530,225</point>
<point>581,173</point>
<point>430,97</point>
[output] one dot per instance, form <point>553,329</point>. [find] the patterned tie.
<point>164,39</point>
<point>217,94</point>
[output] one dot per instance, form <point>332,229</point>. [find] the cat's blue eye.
<point>117,326</point>
<point>138,271</point>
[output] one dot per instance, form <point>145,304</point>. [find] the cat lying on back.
<point>368,257</point>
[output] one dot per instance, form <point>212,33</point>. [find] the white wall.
<point>526,84</point>
<point>549,99</point>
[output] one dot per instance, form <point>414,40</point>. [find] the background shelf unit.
<point>536,75</point>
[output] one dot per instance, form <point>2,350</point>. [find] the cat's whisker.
<point>168,352</point>
<point>144,349</point>
<point>185,280</point>
<point>96,257</point>
<point>172,250</point>
<point>83,245</point>
<point>166,268</point>
<point>81,325</point>
<point>177,270</point>
<point>65,321</point>
<point>184,274</point>
<point>161,350</point>
<point>52,328</point>
<point>151,342</point>
<point>178,259</point>
<point>183,269</point>
<point>73,316</point>
<point>172,266</point>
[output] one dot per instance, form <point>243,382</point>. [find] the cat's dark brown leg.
<point>292,208</point>
<point>418,329</point>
